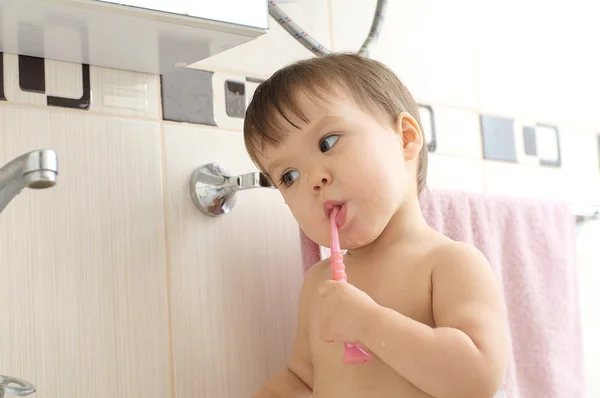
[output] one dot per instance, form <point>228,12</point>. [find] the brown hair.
<point>370,83</point>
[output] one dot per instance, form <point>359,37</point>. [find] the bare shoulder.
<point>466,295</point>
<point>315,275</point>
<point>458,263</point>
<point>450,253</point>
<point>460,273</point>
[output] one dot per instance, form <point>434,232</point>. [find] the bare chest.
<point>406,290</point>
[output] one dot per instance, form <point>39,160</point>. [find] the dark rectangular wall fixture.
<point>187,96</point>
<point>2,96</point>
<point>32,74</point>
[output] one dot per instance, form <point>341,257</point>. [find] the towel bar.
<point>213,188</point>
<point>586,213</point>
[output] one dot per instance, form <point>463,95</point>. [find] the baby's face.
<point>342,156</point>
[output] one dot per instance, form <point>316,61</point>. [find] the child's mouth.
<point>328,207</point>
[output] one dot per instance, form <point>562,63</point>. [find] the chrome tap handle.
<point>248,181</point>
<point>213,188</point>
<point>14,386</point>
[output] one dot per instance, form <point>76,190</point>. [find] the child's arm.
<point>296,381</point>
<point>466,353</point>
<point>284,384</point>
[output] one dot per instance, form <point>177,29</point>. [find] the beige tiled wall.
<point>234,280</point>
<point>84,284</point>
<point>85,264</point>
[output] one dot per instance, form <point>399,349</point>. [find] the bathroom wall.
<point>115,285</point>
<point>84,281</point>
<point>510,88</point>
<point>482,65</point>
<point>589,253</point>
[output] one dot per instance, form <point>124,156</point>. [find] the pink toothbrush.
<point>353,353</point>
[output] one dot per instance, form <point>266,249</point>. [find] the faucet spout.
<point>36,170</point>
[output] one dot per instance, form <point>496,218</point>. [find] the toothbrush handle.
<point>354,354</point>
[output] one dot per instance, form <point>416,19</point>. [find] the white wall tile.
<point>458,132</point>
<point>428,43</point>
<point>533,60</point>
<point>579,150</point>
<point>63,79</point>
<point>263,56</point>
<point>456,173</point>
<point>542,182</point>
<point>125,93</point>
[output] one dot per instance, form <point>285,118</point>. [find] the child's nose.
<point>321,183</point>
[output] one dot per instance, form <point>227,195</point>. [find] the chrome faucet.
<point>36,170</point>
<point>14,386</point>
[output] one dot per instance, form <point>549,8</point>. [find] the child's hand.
<point>342,311</point>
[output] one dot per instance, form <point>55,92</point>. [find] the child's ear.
<point>412,137</point>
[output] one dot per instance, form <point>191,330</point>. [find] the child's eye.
<point>328,142</point>
<point>289,177</point>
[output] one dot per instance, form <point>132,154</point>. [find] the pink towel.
<point>530,245</point>
<point>311,253</point>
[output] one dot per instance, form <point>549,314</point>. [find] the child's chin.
<point>354,240</point>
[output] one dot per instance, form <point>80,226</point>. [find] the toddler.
<point>342,131</point>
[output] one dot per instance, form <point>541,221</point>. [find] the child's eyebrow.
<point>273,166</point>
<point>324,121</point>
